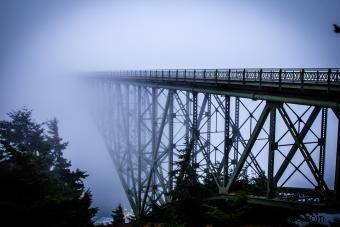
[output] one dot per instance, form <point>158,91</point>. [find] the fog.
<point>43,44</point>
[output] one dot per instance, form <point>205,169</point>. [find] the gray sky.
<point>43,42</point>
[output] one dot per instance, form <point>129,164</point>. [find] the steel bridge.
<point>270,124</point>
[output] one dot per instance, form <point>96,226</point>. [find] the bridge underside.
<point>282,136</point>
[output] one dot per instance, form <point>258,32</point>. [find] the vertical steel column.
<point>237,120</point>
<point>272,148</point>
<point>127,131</point>
<point>227,140</point>
<point>130,114</point>
<point>123,170</point>
<point>305,153</point>
<point>140,154</point>
<point>187,123</point>
<point>209,124</point>
<point>171,139</point>
<point>295,147</point>
<point>154,142</point>
<point>322,141</point>
<point>248,147</point>
<point>195,132</point>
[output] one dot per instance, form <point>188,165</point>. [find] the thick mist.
<point>44,44</point>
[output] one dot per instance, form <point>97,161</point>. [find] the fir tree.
<point>38,188</point>
<point>57,146</point>
<point>187,184</point>
<point>23,133</point>
<point>118,216</point>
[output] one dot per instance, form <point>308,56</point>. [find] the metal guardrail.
<point>296,76</point>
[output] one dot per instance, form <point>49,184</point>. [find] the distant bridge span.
<point>269,124</point>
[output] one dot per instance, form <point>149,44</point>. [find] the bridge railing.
<point>299,76</point>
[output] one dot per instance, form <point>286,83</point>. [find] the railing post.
<point>260,78</point>
<point>194,74</point>
<point>185,74</point>
<point>244,76</point>
<point>176,74</point>
<point>302,75</point>
<point>204,75</point>
<point>329,79</point>
<point>229,71</point>
<point>280,78</point>
<point>216,75</point>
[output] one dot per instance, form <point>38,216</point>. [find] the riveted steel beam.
<point>248,147</point>
<point>271,153</point>
<point>295,147</point>
<point>315,171</point>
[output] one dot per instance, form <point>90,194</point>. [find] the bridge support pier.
<point>227,141</point>
<point>272,147</point>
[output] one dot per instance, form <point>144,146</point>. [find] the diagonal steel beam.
<point>125,113</point>
<point>183,109</point>
<point>294,148</point>
<point>162,125</point>
<point>204,103</point>
<point>209,164</point>
<point>249,146</point>
<point>151,175</point>
<point>158,140</point>
<point>238,136</point>
<point>312,166</point>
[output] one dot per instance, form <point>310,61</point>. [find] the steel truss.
<point>145,127</point>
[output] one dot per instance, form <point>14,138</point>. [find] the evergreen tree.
<point>23,133</point>
<point>187,183</point>
<point>118,216</point>
<point>57,146</point>
<point>38,188</point>
<point>187,207</point>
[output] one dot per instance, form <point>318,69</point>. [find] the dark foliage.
<point>118,216</point>
<point>187,207</point>
<point>190,207</point>
<point>38,188</point>
<point>187,184</point>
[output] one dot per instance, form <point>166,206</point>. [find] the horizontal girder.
<point>320,87</point>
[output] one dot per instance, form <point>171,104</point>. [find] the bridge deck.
<point>319,87</point>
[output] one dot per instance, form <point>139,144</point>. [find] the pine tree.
<point>38,188</point>
<point>23,133</point>
<point>118,216</point>
<point>186,178</point>
<point>57,146</point>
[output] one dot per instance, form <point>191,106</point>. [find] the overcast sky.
<point>43,42</point>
